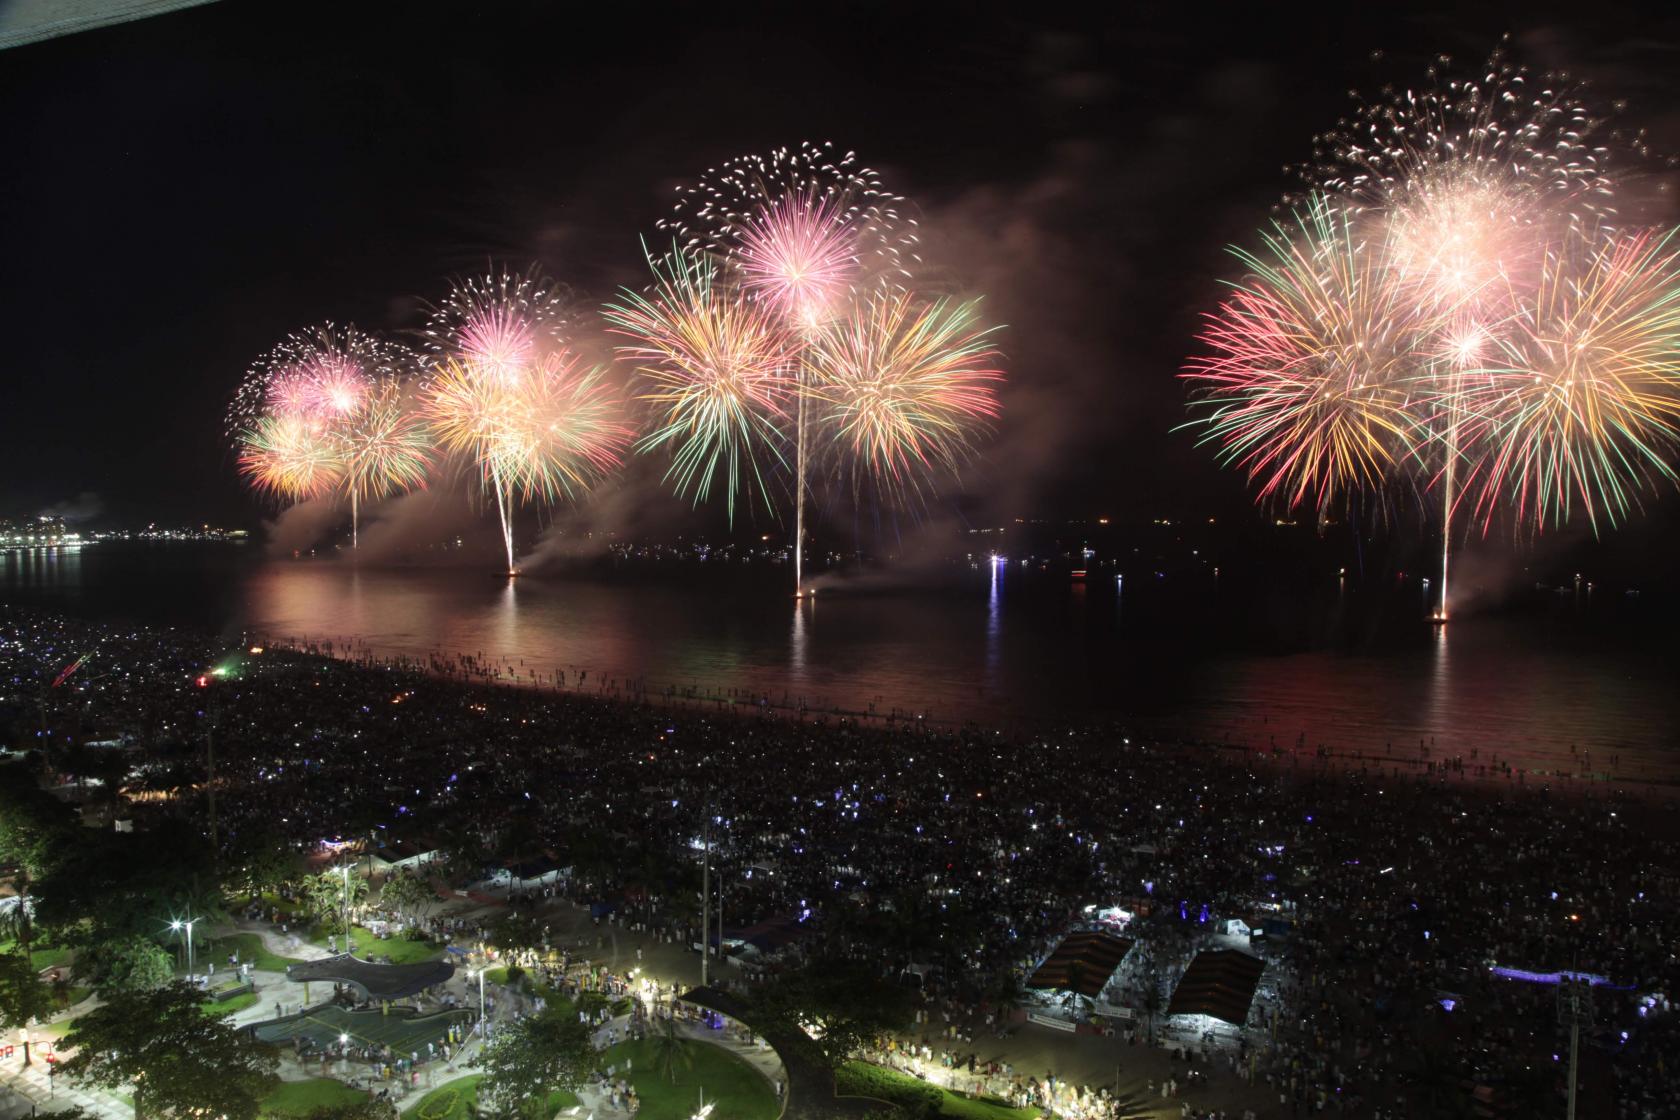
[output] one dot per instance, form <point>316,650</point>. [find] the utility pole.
<point>210,766</point>
<point>1575,1010</point>
<point>345,871</point>
<point>706,890</point>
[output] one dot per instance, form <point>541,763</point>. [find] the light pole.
<point>345,872</point>
<point>187,925</point>
<point>706,894</point>
<point>1575,1010</point>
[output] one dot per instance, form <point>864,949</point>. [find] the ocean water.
<point>1561,684</point>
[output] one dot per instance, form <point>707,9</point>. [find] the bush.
<point>415,933</point>
<point>438,1105</point>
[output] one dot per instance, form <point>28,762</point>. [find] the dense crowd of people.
<point>1429,916</point>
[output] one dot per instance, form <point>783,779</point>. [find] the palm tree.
<point>1006,995</point>
<point>1075,998</point>
<point>16,913</point>
<point>1151,1006</point>
<point>670,1050</point>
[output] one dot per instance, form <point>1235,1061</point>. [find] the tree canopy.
<point>530,1057</point>
<point>22,994</point>
<point>176,1061</point>
<point>838,1004</point>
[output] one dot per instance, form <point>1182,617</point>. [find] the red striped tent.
<point>1082,963</point>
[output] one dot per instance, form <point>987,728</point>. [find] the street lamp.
<point>345,871</point>
<point>177,926</point>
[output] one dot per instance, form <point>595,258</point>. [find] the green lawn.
<point>232,1004</point>
<point>299,1098</point>
<point>42,959</point>
<point>49,958</point>
<point>400,949</point>
<point>250,948</point>
<point>53,1030</point>
<point>860,1079</point>
<point>739,1090</point>
<point>450,1100</point>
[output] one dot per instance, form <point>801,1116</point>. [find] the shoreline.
<point>1450,771</point>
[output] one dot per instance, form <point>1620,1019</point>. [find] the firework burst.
<point>906,385</point>
<point>319,376</point>
<point>1529,146</point>
<point>323,413</point>
<point>805,230</point>
<point>1581,407</point>
<point>799,220</point>
<point>798,254</point>
<point>287,457</point>
<point>501,323</point>
<point>512,397</point>
<point>1306,379</point>
<point>717,374</point>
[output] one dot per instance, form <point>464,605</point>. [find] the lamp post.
<point>706,893</point>
<point>187,925</point>
<point>345,872</point>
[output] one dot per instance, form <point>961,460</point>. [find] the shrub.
<point>439,1105</point>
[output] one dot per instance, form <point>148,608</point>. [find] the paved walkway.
<point>1136,1071</point>
<point>32,1089</point>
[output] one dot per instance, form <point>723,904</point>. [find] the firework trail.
<point>906,385</point>
<point>716,370</point>
<point>511,395</point>
<point>1581,408</point>
<point>1305,379</point>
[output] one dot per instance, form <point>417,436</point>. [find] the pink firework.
<point>799,253</point>
<point>499,341</point>
<point>341,385</point>
<point>291,394</point>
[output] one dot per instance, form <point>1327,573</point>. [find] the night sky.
<point>180,193</point>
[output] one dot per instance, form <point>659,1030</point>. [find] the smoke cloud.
<point>83,507</point>
<point>298,528</point>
